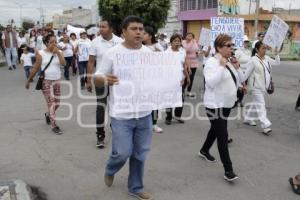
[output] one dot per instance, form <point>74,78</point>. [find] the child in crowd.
<point>26,60</point>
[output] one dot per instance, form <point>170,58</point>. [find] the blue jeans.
<point>82,65</point>
<point>130,139</point>
<point>27,70</point>
<point>11,55</point>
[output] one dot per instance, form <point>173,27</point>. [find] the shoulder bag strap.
<point>232,75</point>
<point>43,71</point>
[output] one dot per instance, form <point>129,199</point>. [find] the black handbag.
<point>39,84</point>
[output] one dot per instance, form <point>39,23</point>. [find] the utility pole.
<point>256,18</point>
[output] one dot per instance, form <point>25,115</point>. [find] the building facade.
<point>75,16</point>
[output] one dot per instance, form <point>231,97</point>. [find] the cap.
<point>246,39</point>
<point>83,32</point>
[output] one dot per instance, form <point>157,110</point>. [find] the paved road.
<point>69,167</point>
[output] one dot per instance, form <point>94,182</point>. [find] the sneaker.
<point>230,140</point>
<point>267,131</point>
<point>47,118</point>
<point>157,129</point>
<point>9,68</point>
<point>108,180</point>
<point>142,195</point>
<point>168,122</point>
<point>191,95</point>
<point>179,120</point>
<point>100,143</point>
<point>206,156</point>
<point>250,123</point>
<point>57,130</point>
<point>230,176</point>
<point>14,66</point>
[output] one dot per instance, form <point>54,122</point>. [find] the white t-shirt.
<point>39,43</point>
<point>212,52</point>
<point>182,54</point>
<point>107,67</point>
<point>68,52</point>
<point>21,41</point>
<point>100,46</point>
<point>26,58</point>
<point>156,47</point>
<point>74,43</point>
<point>83,49</point>
<point>32,43</point>
<point>53,70</point>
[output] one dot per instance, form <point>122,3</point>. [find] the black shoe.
<point>179,120</point>
<point>47,118</point>
<point>206,156</point>
<point>14,66</point>
<point>100,143</point>
<point>168,122</point>
<point>9,68</point>
<point>67,79</point>
<point>230,176</point>
<point>230,140</point>
<point>57,130</point>
<point>241,104</point>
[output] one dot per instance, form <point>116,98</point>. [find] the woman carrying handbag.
<point>49,61</point>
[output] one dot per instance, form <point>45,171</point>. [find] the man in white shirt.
<point>131,132</point>
<point>10,44</point>
<point>99,47</point>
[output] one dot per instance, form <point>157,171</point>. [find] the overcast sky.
<point>10,9</point>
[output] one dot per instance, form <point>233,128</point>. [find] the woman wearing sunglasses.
<point>221,85</point>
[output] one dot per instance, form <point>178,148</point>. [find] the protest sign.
<point>73,29</point>
<point>147,81</point>
<point>204,39</point>
<point>230,26</point>
<point>276,33</point>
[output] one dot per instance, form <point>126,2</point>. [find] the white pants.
<point>257,109</point>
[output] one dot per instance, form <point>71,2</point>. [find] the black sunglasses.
<point>229,45</point>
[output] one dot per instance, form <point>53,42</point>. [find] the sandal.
<point>296,188</point>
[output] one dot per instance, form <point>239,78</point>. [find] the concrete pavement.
<point>70,167</point>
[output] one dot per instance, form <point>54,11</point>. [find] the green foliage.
<point>154,12</point>
<point>27,24</point>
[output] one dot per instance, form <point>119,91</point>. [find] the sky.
<point>14,9</point>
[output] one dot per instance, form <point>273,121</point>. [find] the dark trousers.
<point>82,72</point>
<point>298,102</point>
<point>74,61</point>
<point>101,94</point>
<point>154,116</point>
<point>218,130</point>
<point>67,67</point>
<point>192,76</point>
<point>240,95</point>
<point>20,51</point>
<point>178,110</point>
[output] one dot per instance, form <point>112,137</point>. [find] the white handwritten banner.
<point>276,33</point>
<point>204,39</point>
<point>147,81</point>
<point>230,26</point>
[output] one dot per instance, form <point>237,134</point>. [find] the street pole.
<point>256,18</point>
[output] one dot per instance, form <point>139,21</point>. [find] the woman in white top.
<point>51,83</point>
<point>68,52</point>
<point>221,83</point>
<point>150,42</point>
<point>258,73</point>
<point>22,41</point>
<point>243,56</point>
<point>175,41</point>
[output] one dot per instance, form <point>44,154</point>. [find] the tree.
<point>27,24</point>
<point>154,12</point>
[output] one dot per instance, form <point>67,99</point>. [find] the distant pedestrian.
<point>54,58</point>
<point>10,45</point>
<point>82,51</point>
<point>74,42</point>
<point>21,41</point>
<point>191,46</point>
<point>26,60</point>
<point>68,53</point>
